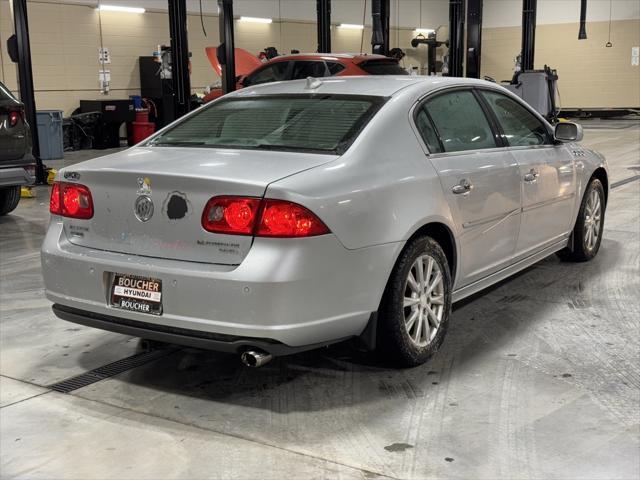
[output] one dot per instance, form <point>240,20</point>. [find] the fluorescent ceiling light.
<point>117,8</point>
<point>256,19</point>
<point>424,30</point>
<point>352,26</point>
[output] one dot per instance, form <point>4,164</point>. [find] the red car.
<point>252,71</point>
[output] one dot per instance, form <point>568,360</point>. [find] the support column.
<point>324,25</point>
<point>529,8</point>
<point>179,57</point>
<point>474,37</point>
<point>380,10</point>
<point>226,49</point>
<point>25,78</point>
<point>456,37</point>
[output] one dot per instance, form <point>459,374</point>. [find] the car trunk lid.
<point>178,182</point>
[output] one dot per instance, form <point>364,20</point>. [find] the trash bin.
<point>50,137</point>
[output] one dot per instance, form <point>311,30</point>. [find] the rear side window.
<point>382,67</point>
<point>324,124</point>
<point>335,67</point>
<point>304,69</point>
<point>271,73</point>
<point>460,122</point>
<point>520,127</point>
<point>423,122</point>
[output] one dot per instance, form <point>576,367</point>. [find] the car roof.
<point>355,57</point>
<point>375,85</point>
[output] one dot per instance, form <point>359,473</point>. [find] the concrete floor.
<point>539,377</point>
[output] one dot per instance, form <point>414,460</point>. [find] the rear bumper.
<point>16,174</point>
<point>179,336</point>
<point>287,295</point>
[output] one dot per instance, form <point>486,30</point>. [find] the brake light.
<point>232,215</point>
<point>262,218</point>
<point>14,117</point>
<point>71,200</point>
<point>286,219</point>
<point>54,202</point>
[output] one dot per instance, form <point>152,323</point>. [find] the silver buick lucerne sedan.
<point>293,215</point>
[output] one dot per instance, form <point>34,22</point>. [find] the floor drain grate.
<point>110,370</point>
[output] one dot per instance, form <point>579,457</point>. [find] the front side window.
<point>460,122</point>
<point>271,73</point>
<point>313,123</point>
<point>519,126</point>
<point>304,69</point>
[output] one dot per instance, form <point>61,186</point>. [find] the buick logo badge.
<point>143,208</point>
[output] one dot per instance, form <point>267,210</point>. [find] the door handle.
<point>463,187</point>
<point>532,176</point>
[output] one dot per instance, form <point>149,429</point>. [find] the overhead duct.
<point>582,34</point>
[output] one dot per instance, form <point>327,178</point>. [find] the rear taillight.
<point>233,215</point>
<point>262,218</point>
<point>54,202</point>
<point>285,219</point>
<point>71,200</point>
<point>14,117</point>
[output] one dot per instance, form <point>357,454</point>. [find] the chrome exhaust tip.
<point>255,359</point>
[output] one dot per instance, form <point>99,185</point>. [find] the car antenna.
<point>312,83</point>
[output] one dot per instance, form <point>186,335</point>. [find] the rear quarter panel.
<point>382,190</point>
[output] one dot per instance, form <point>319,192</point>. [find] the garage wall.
<point>591,75</point>
<point>65,41</point>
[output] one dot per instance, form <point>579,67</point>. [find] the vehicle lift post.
<point>529,8</point>
<point>179,57</point>
<point>324,25</point>
<point>226,50</point>
<point>474,37</point>
<point>25,77</point>
<point>380,10</point>
<point>456,37</point>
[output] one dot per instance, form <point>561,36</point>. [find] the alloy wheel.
<point>592,219</point>
<point>423,304</point>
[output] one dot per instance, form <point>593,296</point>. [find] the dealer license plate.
<point>137,294</point>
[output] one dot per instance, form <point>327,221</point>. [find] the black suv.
<point>17,165</point>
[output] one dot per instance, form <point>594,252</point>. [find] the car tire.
<point>587,233</point>
<point>9,198</point>
<point>409,304</point>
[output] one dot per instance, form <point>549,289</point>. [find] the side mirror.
<point>567,132</point>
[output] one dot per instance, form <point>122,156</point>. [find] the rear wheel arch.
<point>443,235</point>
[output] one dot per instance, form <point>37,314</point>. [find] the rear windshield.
<point>383,67</point>
<point>314,123</point>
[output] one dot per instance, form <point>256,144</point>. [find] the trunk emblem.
<point>144,186</point>
<point>143,208</point>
